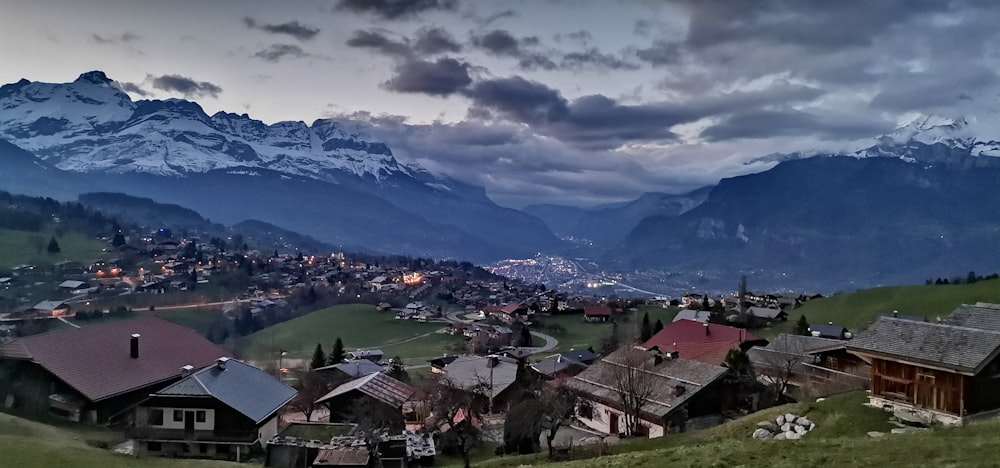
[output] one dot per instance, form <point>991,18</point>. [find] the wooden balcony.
<point>157,433</point>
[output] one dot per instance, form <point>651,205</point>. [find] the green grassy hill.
<point>22,247</point>
<point>27,444</point>
<point>855,310</point>
<point>358,325</point>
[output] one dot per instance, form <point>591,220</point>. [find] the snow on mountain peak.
<point>90,125</point>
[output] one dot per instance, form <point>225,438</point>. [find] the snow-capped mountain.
<point>935,139</point>
<point>90,125</point>
<point>330,179</point>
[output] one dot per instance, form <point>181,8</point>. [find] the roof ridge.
<point>942,324</point>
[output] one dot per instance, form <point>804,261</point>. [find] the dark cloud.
<point>795,123</point>
<point>119,39</point>
<point>483,22</point>
<point>595,58</point>
<point>661,53</point>
<point>396,9</point>
<point>292,28</point>
<point>500,42</point>
<point>132,88</point>
<point>432,41</point>
<point>276,52</point>
<point>443,77</point>
<point>380,43</point>
<point>186,86</point>
<point>934,89</point>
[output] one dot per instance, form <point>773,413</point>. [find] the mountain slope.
<point>330,180</point>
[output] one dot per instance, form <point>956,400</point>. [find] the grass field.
<point>856,310</point>
<point>21,247</point>
<point>580,334</point>
<point>28,444</point>
<point>358,325</point>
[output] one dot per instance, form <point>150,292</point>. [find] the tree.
<point>337,355</point>
<point>522,427</point>
<point>318,358</point>
<point>194,278</point>
<point>311,387</point>
<point>558,408</point>
<point>397,370</point>
<point>802,326</point>
<point>645,329</point>
<point>632,383</point>
<point>455,410</point>
<point>611,341</point>
<point>704,303</point>
<point>525,336</point>
<point>776,366</point>
<point>657,327</point>
<point>118,240</point>
<point>741,375</point>
<point>53,247</point>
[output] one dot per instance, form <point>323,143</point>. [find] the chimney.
<point>657,359</point>
<point>706,329</point>
<point>493,361</point>
<point>675,354</point>
<point>134,346</point>
<point>186,370</point>
<point>221,362</point>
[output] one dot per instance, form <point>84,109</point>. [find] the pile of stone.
<point>785,427</point>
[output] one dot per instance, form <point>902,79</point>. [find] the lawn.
<point>30,444</point>
<point>581,335</point>
<point>858,309</point>
<point>21,247</point>
<point>358,325</point>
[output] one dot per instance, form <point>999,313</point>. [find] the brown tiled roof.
<point>96,362</point>
<point>378,386</point>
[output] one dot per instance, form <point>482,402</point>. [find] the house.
<point>557,368</point>
<point>678,388</point>
<point>221,411</point>
<point>831,331</point>
<point>596,313</point>
<point>585,356</point>
<point>95,373</point>
<point>438,364</point>
<point>766,316</point>
<point>373,355</point>
<point>51,309</point>
<point>496,375</point>
<point>395,401</point>
<point>704,342</point>
<point>691,314</point>
<point>72,284</point>
<point>352,369</point>
<point>935,372</point>
<point>817,366</point>
<point>513,312</point>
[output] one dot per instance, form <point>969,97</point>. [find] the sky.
<point>543,101</point>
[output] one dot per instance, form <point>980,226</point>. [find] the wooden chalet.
<point>935,373</point>
<point>816,366</point>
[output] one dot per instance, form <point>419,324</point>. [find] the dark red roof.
<point>96,361</point>
<point>513,308</point>
<point>709,353</point>
<point>689,331</point>
<point>597,310</point>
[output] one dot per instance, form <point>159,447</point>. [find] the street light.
<point>281,356</point>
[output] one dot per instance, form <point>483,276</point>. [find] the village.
<point>88,343</point>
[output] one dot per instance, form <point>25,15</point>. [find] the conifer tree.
<point>337,355</point>
<point>319,357</point>
<point>645,329</point>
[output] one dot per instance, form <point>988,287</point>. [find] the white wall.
<point>268,430</point>
<point>169,423</point>
<point>601,421</point>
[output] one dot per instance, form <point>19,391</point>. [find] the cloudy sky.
<point>575,102</point>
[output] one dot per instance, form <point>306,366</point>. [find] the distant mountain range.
<point>329,180</point>
<point>920,202</point>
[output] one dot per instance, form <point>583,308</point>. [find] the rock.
<point>792,436</point>
<point>780,420</point>
<point>770,426</point>
<point>762,434</point>
<point>786,427</point>
<point>876,434</point>
<point>909,430</point>
<point>799,429</point>
<point>790,418</point>
<point>802,421</point>
<point>779,436</point>
<point>812,426</point>
<point>820,400</point>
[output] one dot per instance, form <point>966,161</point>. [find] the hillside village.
<point>182,392</point>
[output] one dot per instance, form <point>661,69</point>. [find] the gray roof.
<point>378,386</point>
<point>690,314</point>
<point>355,369</point>
<point>597,381</point>
<point>794,349</point>
<point>828,330</point>
<point>981,315</point>
<point>467,372</point>
<point>764,312</point>
<point>244,388</point>
<point>555,364</point>
<point>580,355</point>
<point>963,349</point>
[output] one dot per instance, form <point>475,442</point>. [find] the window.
<point>155,446</point>
<point>178,415</point>
<point>155,417</point>
<point>199,416</point>
<point>586,410</point>
<point>203,448</point>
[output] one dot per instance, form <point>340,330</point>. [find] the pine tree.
<point>645,329</point>
<point>118,240</point>
<point>53,247</point>
<point>337,355</point>
<point>657,327</point>
<point>802,326</point>
<point>319,357</point>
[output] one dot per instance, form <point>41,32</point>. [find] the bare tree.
<point>311,387</point>
<point>633,382</point>
<point>558,410</point>
<point>776,365</point>
<point>456,413</point>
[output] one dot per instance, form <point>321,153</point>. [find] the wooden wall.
<point>918,386</point>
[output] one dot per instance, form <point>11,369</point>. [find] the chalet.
<point>72,284</point>
<point>557,368</point>
<point>395,402</point>
<point>766,315</point>
<point>585,356</point>
<point>438,364</point>
<point>513,312</point>
<point>596,313</point>
<point>678,389</point>
<point>221,411</point>
<point>95,373</point>
<point>819,366</point>
<point>935,372</point>
<point>352,369</point>
<point>373,355</point>
<point>691,314</point>
<point>831,331</point>
<point>496,374</point>
<point>51,309</point>
<point>705,342</point>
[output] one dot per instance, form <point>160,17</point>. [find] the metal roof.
<point>467,372</point>
<point>355,369</point>
<point>244,388</point>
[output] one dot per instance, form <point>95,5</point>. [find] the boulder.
<point>762,434</point>
<point>876,434</point>
<point>768,425</point>
<point>799,429</point>
<point>790,418</point>
<point>786,427</point>
<point>779,436</point>
<point>812,426</point>
<point>820,400</point>
<point>780,420</point>
<point>802,421</point>
<point>792,436</point>
<point>909,430</point>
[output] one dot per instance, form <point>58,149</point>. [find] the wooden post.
<point>237,453</point>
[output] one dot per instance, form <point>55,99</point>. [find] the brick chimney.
<point>134,346</point>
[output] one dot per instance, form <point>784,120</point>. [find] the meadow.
<point>23,247</point>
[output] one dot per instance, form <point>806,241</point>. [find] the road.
<point>550,342</point>
<point>200,304</point>
<point>67,322</point>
